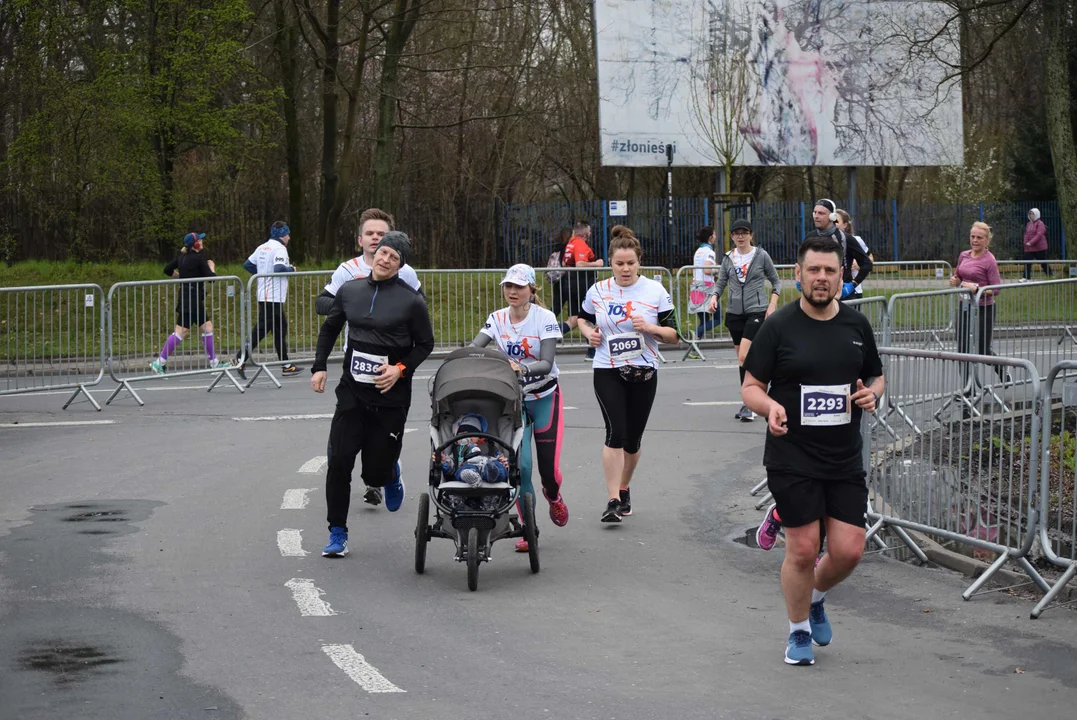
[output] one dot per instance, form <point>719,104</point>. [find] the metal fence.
<point>285,333</point>
<point>962,473</point>
<point>893,231</point>
<point>1036,321</point>
<point>145,321</point>
<point>52,338</point>
<point>1058,477</point>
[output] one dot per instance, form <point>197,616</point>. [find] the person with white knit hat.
<point>1035,243</point>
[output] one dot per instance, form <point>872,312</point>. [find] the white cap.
<point>520,274</point>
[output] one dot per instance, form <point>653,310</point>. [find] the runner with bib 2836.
<point>624,318</point>
<point>812,371</point>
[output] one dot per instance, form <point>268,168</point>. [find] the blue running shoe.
<point>821,632</point>
<point>394,491</point>
<point>798,651</point>
<point>338,543</point>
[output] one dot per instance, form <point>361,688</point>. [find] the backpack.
<point>554,262</point>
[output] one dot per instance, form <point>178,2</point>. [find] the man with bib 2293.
<point>389,336</point>
<point>813,371</point>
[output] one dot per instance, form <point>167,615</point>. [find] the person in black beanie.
<point>825,216</point>
<point>389,336</point>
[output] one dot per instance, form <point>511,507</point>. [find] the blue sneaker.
<point>798,651</point>
<point>821,632</point>
<point>338,543</point>
<point>394,491</point>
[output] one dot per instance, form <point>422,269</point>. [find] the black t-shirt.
<point>190,265</point>
<point>813,362</point>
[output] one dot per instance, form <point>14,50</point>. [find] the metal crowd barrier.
<point>966,477</point>
<point>886,278</point>
<point>1017,269</point>
<point>1058,479</point>
<point>691,324</point>
<point>52,338</point>
<point>1034,320</point>
<point>926,320</point>
<point>143,315</point>
<point>293,326</point>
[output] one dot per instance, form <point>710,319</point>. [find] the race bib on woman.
<point>825,405</point>
<point>625,346</point>
<point>365,367</point>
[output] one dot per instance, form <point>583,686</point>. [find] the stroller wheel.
<point>473,559</point>
<point>531,531</point>
<point>422,533</point>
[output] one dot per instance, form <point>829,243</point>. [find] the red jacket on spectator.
<point>1035,233</point>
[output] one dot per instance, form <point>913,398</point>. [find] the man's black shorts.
<point>802,500</point>
<point>744,326</point>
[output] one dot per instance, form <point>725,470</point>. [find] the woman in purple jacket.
<point>977,267</point>
<point>1035,243</point>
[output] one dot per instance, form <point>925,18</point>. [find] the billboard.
<point>777,82</point>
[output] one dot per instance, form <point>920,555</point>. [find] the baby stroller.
<point>475,382</point>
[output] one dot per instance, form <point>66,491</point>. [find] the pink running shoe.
<point>767,534</point>
<point>559,512</point>
<point>522,546</point>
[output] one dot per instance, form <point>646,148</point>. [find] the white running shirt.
<point>613,306</point>
<point>265,258</point>
<point>357,269</point>
<point>521,342</point>
<point>742,262</point>
<point>703,254</point>
<point>864,247</point>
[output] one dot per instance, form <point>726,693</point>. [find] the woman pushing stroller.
<point>528,334</point>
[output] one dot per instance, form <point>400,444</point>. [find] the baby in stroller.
<point>471,460</point>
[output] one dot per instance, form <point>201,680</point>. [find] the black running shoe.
<point>372,496</point>
<point>242,370</point>
<point>289,370</point>
<point>613,512</point>
<point>626,502</point>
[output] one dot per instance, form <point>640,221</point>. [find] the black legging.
<point>271,319</point>
<point>625,407</point>
<point>1036,255</point>
<point>984,331</point>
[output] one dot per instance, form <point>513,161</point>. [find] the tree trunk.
<point>287,47</point>
<point>331,43</point>
<point>1059,100</point>
<point>405,13</point>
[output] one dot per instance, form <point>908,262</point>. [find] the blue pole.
<point>605,233</point>
<point>895,214</point>
<point>981,212</point>
<point>706,211</point>
<point>801,218</point>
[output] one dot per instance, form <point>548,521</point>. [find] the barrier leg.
<point>900,532</point>
<point>982,580</point>
<point>124,385</point>
<point>758,488</point>
<point>1033,574</point>
<point>874,530</point>
<point>263,369</point>
<point>82,389</point>
<point>764,502</point>
<point>693,346</point>
<point>1053,592</point>
<point>221,376</point>
<point>1067,334</point>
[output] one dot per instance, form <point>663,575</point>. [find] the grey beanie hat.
<point>397,241</point>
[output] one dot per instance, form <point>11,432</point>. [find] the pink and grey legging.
<point>545,420</point>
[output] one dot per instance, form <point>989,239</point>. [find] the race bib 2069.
<point>825,405</point>
<point>625,346</point>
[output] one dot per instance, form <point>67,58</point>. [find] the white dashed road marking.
<point>290,543</point>
<point>296,498</point>
<point>358,669</point>
<point>274,418</point>
<point>717,402</point>
<point>314,465</point>
<point>61,423</point>
<point>308,598</point>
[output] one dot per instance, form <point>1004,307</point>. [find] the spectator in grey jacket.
<point>745,269</point>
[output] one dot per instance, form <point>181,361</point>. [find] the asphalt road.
<point>144,574</point>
